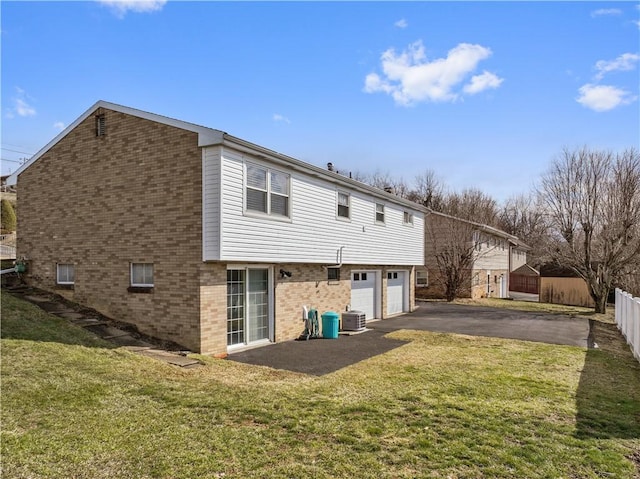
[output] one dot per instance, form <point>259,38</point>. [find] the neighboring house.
<point>494,254</point>
<point>205,239</point>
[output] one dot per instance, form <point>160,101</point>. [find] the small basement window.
<point>66,274</point>
<point>333,274</point>
<point>142,275</point>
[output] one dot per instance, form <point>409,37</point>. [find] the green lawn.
<point>442,406</point>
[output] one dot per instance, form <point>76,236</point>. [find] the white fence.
<point>628,319</point>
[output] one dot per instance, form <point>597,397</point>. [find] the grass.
<point>442,406</point>
<point>575,311</point>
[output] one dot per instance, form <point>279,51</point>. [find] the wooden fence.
<point>628,319</point>
<point>569,291</point>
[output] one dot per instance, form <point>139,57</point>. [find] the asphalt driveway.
<point>492,322</point>
<point>322,356</point>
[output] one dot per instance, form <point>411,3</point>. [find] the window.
<point>142,275</point>
<point>422,279</point>
<point>66,274</point>
<point>379,213</point>
<point>408,218</point>
<point>359,276</point>
<point>343,205</point>
<point>267,191</point>
<point>333,274</point>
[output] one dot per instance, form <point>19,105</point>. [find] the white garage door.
<point>363,293</point>
<point>395,292</point>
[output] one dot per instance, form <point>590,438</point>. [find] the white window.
<point>408,218</point>
<point>379,213</point>
<point>66,274</point>
<point>267,191</point>
<point>343,205</point>
<point>422,279</point>
<point>142,275</point>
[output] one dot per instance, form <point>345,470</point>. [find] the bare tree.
<point>471,204</point>
<point>450,251</point>
<point>592,200</point>
<point>523,217</point>
<point>428,191</point>
<point>383,180</point>
<point>453,247</point>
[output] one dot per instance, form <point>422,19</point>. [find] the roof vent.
<point>100,125</point>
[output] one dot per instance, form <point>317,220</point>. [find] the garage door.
<point>395,292</point>
<point>363,293</point>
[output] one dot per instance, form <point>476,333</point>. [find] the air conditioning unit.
<point>353,321</point>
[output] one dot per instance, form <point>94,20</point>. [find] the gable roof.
<point>526,270</point>
<point>209,137</point>
<point>513,240</point>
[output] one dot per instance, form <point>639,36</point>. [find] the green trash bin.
<point>330,323</point>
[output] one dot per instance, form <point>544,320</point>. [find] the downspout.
<point>339,265</point>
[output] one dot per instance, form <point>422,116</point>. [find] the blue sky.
<point>483,93</point>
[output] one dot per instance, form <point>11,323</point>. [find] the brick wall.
<point>309,286</point>
<point>132,195</point>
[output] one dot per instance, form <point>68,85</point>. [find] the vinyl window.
<point>142,275</point>
<point>379,213</point>
<point>343,205</point>
<point>422,279</point>
<point>267,191</point>
<point>66,274</point>
<point>407,218</point>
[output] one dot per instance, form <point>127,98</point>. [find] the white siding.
<point>211,203</point>
<point>518,258</point>
<point>493,255</point>
<point>313,234</point>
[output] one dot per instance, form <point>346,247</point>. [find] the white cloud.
<point>482,82</point>
<point>58,125</point>
<point>410,78</point>
<point>603,97</point>
<point>121,7</point>
<point>402,23</point>
<point>22,108</point>
<point>20,105</point>
<point>606,12</point>
<point>625,62</point>
<point>284,119</point>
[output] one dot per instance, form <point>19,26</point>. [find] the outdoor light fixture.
<point>285,274</point>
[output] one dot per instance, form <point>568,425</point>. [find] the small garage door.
<point>363,293</point>
<point>395,292</point>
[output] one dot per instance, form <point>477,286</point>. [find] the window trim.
<point>383,213</point>
<point>422,275</point>
<point>269,193</point>
<point>347,206</point>
<point>407,214</point>
<point>141,285</point>
<point>65,283</point>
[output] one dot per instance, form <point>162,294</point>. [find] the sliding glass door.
<point>248,305</point>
